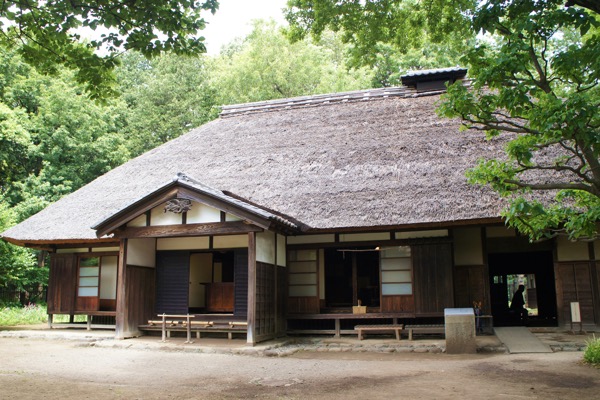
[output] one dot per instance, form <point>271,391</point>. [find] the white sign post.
<point>576,316</point>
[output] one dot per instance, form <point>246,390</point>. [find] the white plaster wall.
<point>229,217</point>
<point>265,247</point>
<point>327,238</point>
<point>230,242</point>
<point>185,243</point>
<point>468,249</point>
<point>571,251</point>
<point>422,234</point>
<point>104,249</point>
<point>281,251</point>
<point>201,214</point>
<point>108,278</point>
<point>138,221</point>
<point>158,217</point>
<point>141,252</point>
<point>359,237</point>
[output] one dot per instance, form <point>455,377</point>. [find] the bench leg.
<point>89,322</point>
<point>197,334</point>
<point>397,334</point>
<point>229,335</point>
<point>360,335</point>
<point>337,328</point>
<point>410,334</point>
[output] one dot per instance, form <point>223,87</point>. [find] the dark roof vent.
<point>433,79</point>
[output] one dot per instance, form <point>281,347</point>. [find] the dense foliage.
<point>535,67</point>
<point>48,34</point>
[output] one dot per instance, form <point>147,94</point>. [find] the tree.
<point>17,264</point>
<point>165,97</point>
<point>405,25</point>
<point>266,66</point>
<point>49,34</point>
<point>538,83</point>
<point>536,76</point>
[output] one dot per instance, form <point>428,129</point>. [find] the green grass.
<point>28,315</point>
<point>31,315</point>
<point>591,354</point>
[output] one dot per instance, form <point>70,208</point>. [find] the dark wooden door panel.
<point>62,284</point>
<point>432,271</point>
<point>172,282</point>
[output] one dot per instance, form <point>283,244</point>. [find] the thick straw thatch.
<point>386,161</point>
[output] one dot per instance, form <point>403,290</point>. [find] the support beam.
<point>159,231</point>
<point>121,319</point>
<point>251,335</point>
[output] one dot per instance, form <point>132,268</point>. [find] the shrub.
<point>591,354</point>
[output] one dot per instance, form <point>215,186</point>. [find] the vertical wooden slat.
<point>240,278</point>
<point>62,283</point>
<point>251,334</point>
<point>121,327</point>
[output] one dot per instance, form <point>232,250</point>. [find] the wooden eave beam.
<point>409,227</point>
<point>52,244</point>
<point>161,231</point>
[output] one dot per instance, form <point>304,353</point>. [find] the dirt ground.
<point>62,369</point>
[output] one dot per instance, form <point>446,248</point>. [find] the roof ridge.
<point>317,99</point>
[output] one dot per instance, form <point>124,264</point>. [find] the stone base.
<point>460,331</point>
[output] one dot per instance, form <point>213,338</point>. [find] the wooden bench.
<point>390,327</point>
<point>185,323</point>
<point>436,329</point>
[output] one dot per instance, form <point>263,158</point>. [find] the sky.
<point>233,19</point>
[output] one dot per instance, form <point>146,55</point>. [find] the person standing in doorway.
<point>517,304</point>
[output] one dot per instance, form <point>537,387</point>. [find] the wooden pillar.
<point>354,280</point>
<point>276,287</point>
<point>251,334</point>
<point>122,324</point>
<point>595,283</point>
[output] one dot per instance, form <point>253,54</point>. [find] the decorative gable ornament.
<point>178,206</point>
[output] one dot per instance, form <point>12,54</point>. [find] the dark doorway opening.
<point>351,275</point>
<point>535,270</point>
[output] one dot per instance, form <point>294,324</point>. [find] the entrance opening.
<point>350,276</point>
<point>535,272</point>
<point>211,287</point>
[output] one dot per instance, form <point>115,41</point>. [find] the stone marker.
<point>460,331</point>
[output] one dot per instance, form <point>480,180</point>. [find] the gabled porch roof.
<point>184,187</point>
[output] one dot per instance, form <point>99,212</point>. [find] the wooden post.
<point>164,327</point>
<point>50,319</point>
<point>89,322</point>
<point>251,319</point>
<point>354,280</point>
<point>189,329</point>
<point>122,325</point>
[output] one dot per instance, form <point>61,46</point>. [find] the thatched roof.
<point>362,161</point>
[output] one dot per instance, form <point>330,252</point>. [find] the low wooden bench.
<point>436,329</point>
<point>390,327</point>
<point>185,323</point>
